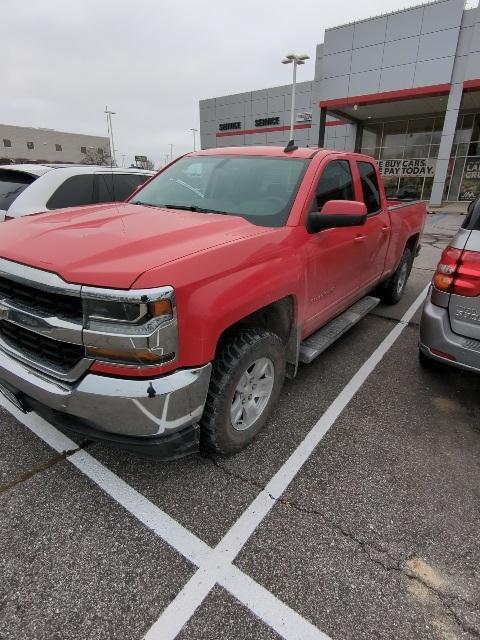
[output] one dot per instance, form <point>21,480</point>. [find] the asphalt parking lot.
<point>354,514</point>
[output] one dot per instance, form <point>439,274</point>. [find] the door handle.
<point>359,238</point>
<point>385,229</point>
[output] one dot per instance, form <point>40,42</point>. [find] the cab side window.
<point>371,192</point>
<point>335,183</point>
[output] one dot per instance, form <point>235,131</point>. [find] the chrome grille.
<point>47,302</point>
<point>61,356</point>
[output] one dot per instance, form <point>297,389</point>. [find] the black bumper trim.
<point>163,447</point>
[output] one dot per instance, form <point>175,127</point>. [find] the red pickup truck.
<point>168,322</point>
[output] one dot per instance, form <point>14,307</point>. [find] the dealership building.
<point>403,87</point>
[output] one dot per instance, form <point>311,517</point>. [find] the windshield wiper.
<point>188,186</point>
<point>192,207</point>
<point>144,204</point>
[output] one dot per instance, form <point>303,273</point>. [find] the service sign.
<point>413,167</point>
<point>229,126</point>
<point>267,122</point>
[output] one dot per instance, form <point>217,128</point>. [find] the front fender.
<point>218,288</point>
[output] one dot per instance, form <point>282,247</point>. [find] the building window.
<point>58,147</point>
<point>83,149</point>
<point>407,152</point>
<point>30,145</point>
<point>7,143</point>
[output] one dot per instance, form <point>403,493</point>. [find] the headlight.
<point>137,326</point>
<point>127,312</point>
<point>99,312</point>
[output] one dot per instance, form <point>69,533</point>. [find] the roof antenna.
<point>291,146</point>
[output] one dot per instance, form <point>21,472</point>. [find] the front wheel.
<point>391,290</point>
<point>247,377</point>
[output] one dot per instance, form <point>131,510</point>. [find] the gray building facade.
<point>403,87</point>
<point>48,145</point>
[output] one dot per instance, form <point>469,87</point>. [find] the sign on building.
<point>228,126</point>
<point>304,116</point>
<point>267,122</point>
<point>414,167</point>
<point>470,188</point>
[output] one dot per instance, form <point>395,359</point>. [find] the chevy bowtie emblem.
<point>3,312</point>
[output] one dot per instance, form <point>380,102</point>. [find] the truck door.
<point>376,232</point>
<point>333,256</point>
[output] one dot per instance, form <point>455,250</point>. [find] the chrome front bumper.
<point>132,408</point>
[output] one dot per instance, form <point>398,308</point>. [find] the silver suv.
<point>450,325</point>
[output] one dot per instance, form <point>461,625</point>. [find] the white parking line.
<point>215,565</point>
<point>181,609</point>
<point>247,591</point>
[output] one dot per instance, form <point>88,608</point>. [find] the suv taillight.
<point>458,272</point>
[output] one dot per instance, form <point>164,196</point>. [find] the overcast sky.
<point>151,61</point>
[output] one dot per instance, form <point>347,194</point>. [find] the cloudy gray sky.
<point>151,61</point>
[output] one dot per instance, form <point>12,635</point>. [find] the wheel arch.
<point>280,317</point>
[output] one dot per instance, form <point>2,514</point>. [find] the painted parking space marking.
<point>180,610</point>
<point>289,624</point>
<point>215,565</point>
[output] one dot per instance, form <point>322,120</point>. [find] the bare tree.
<point>97,156</point>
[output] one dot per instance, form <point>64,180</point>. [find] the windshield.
<point>12,183</point>
<point>259,189</point>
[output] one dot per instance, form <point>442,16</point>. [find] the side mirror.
<point>337,213</point>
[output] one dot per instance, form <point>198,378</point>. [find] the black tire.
<point>236,354</point>
<point>391,291</point>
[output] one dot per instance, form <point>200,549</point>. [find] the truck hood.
<point>112,245</point>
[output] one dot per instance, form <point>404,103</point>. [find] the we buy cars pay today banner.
<point>418,167</point>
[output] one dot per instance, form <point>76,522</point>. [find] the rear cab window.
<point>370,189</point>
<point>12,183</point>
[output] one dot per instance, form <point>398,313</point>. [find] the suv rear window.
<point>116,187</point>
<point>12,183</point>
<point>74,192</point>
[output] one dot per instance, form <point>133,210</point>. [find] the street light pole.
<point>194,131</point>
<point>296,59</point>
<point>171,152</point>
<point>109,115</point>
